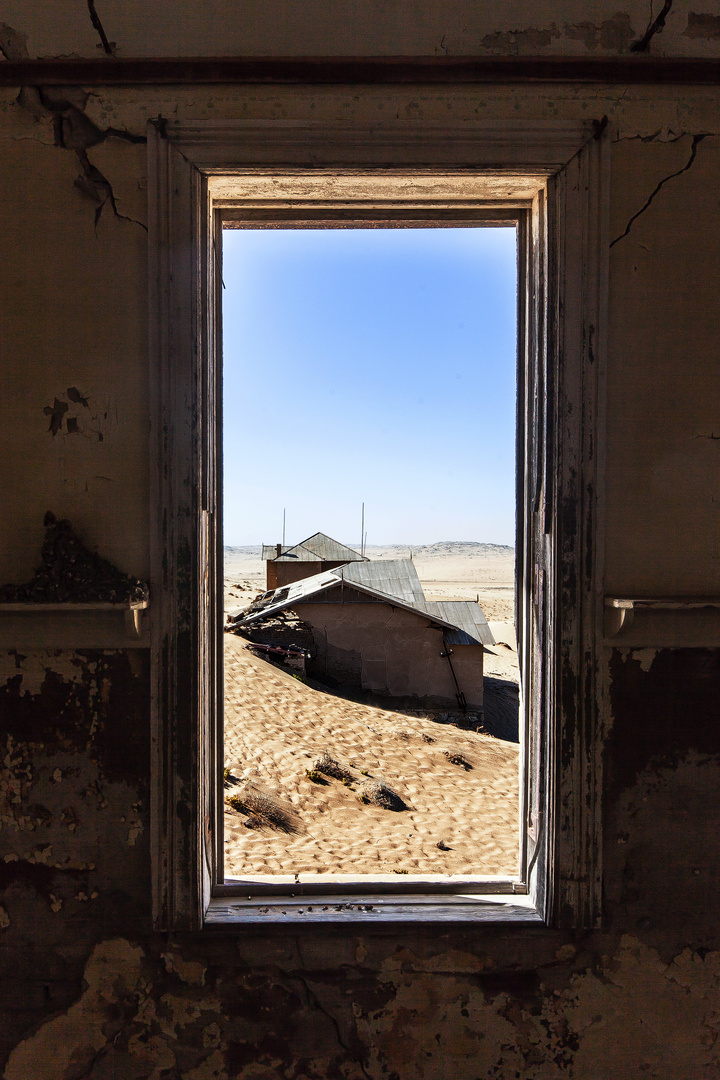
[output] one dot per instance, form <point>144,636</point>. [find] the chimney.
<point>279,550</point>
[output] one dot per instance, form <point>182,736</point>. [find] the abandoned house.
<point>313,556</point>
<point>128,130</point>
<point>372,627</point>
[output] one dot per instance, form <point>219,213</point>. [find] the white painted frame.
<point>555,177</point>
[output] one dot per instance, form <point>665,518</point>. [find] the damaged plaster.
<point>89,990</point>
<point>133,1019</point>
<point>108,47</point>
<point>655,26</point>
<point>73,130</point>
<point>70,1044</point>
<point>696,140</point>
<point>611,35</point>
<point>705,25</point>
<point>374,28</point>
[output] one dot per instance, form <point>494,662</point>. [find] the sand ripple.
<point>275,728</point>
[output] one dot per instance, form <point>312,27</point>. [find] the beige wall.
<point>75,313</point>
<point>392,653</point>
<point>284,573</point>
<point>361,28</point>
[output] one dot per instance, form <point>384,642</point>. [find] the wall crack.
<point>93,183</point>
<point>312,997</point>
<point>654,27</point>
<point>74,130</point>
<point>13,44</point>
<point>108,47</point>
<point>697,139</point>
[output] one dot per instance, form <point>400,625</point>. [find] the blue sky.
<point>373,366</point>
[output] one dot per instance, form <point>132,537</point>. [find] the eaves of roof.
<point>299,592</point>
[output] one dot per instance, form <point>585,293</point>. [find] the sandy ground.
<point>276,727</point>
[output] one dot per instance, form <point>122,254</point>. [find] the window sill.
<point>487,908</point>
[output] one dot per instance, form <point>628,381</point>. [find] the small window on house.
<point>371,697</point>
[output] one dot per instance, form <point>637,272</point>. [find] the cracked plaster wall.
<point>364,27</point>
<point>88,990</point>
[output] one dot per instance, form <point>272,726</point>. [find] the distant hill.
<point>457,548</point>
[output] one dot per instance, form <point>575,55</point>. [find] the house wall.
<point>287,572</point>
<point>284,573</point>
<point>88,990</point>
<point>391,652</point>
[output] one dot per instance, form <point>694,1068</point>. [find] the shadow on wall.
<point>501,707</point>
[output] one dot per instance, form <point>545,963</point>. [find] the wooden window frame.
<point>552,178</point>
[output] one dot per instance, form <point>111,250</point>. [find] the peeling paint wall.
<point>358,28</point>
<point>88,991</point>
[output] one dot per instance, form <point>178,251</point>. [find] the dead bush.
<point>379,794</point>
<point>457,759</point>
<point>328,765</point>
<point>262,809</point>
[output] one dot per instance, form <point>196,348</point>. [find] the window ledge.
<point>224,912</point>
<point>663,622</point>
<point>93,625</point>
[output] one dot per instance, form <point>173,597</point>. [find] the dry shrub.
<point>379,794</point>
<point>427,738</point>
<point>327,765</point>
<point>263,809</point>
<point>457,759</point>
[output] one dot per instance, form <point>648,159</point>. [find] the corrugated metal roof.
<point>290,594</point>
<point>392,581</point>
<point>317,548</point>
<point>467,616</point>
<point>395,577</point>
<point>299,553</point>
<point>329,550</point>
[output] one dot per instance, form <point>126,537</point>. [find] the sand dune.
<point>276,727</point>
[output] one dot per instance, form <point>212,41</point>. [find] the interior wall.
<point>88,989</point>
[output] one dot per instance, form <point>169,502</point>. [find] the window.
<point>550,181</point>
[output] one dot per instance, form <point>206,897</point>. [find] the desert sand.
<point>277,726</point>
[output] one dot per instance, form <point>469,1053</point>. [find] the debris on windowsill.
<point>70,573</point>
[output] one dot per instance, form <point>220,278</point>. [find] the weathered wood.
<point>371,908</point>
<point>562,278</point>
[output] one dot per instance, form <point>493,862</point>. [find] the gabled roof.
<point>395,582</point>
<point>395,577</point>
<point>317,548</point>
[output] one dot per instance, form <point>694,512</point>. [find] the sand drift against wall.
<point>460,787</point>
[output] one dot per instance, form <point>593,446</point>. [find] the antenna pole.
<point>283,527</point>
<point>362,531</point>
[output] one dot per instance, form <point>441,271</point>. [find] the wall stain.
<point>703,25</point>
<point>611,35</point>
